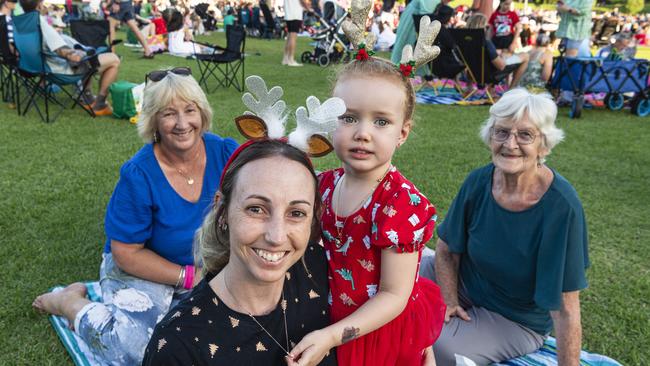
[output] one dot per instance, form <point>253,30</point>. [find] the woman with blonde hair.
<point>157,205</point>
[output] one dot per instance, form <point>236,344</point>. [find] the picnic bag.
<point>123,101</point>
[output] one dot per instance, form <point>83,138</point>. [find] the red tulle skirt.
<point>401,341</point>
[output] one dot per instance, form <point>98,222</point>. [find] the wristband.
<point>189,276</point>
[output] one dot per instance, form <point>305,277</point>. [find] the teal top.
<point>518,264</point>
<point>406,28</point>
<point>576,27</point>
<point>228,20</point>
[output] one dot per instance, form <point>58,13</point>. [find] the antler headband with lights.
<point>266,119</point>
<point>425,51</point>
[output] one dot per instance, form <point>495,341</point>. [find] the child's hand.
<point>312,349</point>
<point>427,357</point>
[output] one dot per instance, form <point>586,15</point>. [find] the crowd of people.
<point>223,254</point>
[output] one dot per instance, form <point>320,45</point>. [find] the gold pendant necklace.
<point>283,304</point>
<point>338,241</point>
<point>188,179</point>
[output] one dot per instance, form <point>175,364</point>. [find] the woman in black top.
<point>259,296</point>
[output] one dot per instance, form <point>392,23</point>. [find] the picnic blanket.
<point>445,95</point>
<point>82,356</point>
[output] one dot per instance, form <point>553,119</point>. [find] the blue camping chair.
<point>37,77</point>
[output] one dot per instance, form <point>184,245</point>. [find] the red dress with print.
<point>396,217</point>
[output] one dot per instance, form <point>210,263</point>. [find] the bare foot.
<point>55,302</point>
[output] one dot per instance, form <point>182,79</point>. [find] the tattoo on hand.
<point>349,334</point>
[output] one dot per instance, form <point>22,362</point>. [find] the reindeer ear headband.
<point>425,51</point>
<point>266,119</point>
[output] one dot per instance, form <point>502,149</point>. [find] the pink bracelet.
<point>189,276</point>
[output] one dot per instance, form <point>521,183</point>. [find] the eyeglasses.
<point>522,137</point>
<point>158,75</point>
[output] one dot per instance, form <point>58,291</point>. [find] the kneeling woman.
<point>256,300</point>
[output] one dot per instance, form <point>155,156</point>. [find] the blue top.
<point>518,264</point>
<point>146,209</point>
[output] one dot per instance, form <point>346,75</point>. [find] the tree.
<point>634,6</point>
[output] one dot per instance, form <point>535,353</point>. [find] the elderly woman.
<point>157,205</point>
<point>256,300</point>
<point>512,251</point>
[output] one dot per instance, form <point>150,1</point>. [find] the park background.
<point>56,180</point>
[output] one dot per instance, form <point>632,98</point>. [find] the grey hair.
<point>159,95</point>
<point>518,104</point>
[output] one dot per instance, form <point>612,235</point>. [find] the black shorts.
<point>502,42</point>
<point>293,26</point>
<point>126,11</point>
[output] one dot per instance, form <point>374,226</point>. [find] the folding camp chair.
<point>36,75</point>
<point>8,68</point>
<point>224,64</point>
<point>446,66</point>
<point>91,33</point>
<point>471,48</point>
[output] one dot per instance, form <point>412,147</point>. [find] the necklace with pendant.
<point>188,179</point>
<point>338,241</point>
<point>283,304</point>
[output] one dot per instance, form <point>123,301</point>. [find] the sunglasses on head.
<point>158,75</point>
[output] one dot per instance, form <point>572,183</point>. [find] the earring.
<point>156,137</point>
<point>539,161</point>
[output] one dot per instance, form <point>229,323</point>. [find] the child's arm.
<point>396,283</point>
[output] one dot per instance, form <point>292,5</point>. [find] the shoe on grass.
<point>106,111</point>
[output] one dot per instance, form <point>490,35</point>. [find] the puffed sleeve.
<point>229,146</point>
<point>405,221</point>
<point>129,214</point>
<point>563,256</point>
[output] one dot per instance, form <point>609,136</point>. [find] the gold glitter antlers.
<point>425,51</point>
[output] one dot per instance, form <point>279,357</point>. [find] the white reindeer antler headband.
<point>425,51</point>
<point>267,118</point>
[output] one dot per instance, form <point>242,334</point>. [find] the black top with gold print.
<point>201,330</point>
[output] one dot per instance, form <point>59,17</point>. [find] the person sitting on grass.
<point>512,252</point>
<point>540,65</point>
<point>157,205</point>
<point>70,60</point>
<point>620,50</point>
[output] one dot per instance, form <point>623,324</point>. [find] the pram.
<point>330,47</point>
<point>596,75</point>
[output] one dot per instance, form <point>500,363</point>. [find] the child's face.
<point>373,125</point>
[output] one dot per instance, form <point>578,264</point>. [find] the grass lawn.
<point>56,179</point>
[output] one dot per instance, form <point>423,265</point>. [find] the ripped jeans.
<point>118,329</point>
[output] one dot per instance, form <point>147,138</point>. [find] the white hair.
<point>519,104</point>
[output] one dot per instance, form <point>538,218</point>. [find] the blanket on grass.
<point>82,355</point>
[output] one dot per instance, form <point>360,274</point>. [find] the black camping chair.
<point>224,64</point>
<point>8,68</point>
<point>472,51</point>
<point>91,33</point>
<point>448,64</point>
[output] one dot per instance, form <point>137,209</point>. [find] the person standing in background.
<point>293,16</point>
<point>575,24</point>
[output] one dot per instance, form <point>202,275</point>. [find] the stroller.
<point>330,46</point>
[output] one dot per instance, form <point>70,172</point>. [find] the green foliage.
<point>634,6</point>
<point>56,179</point>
